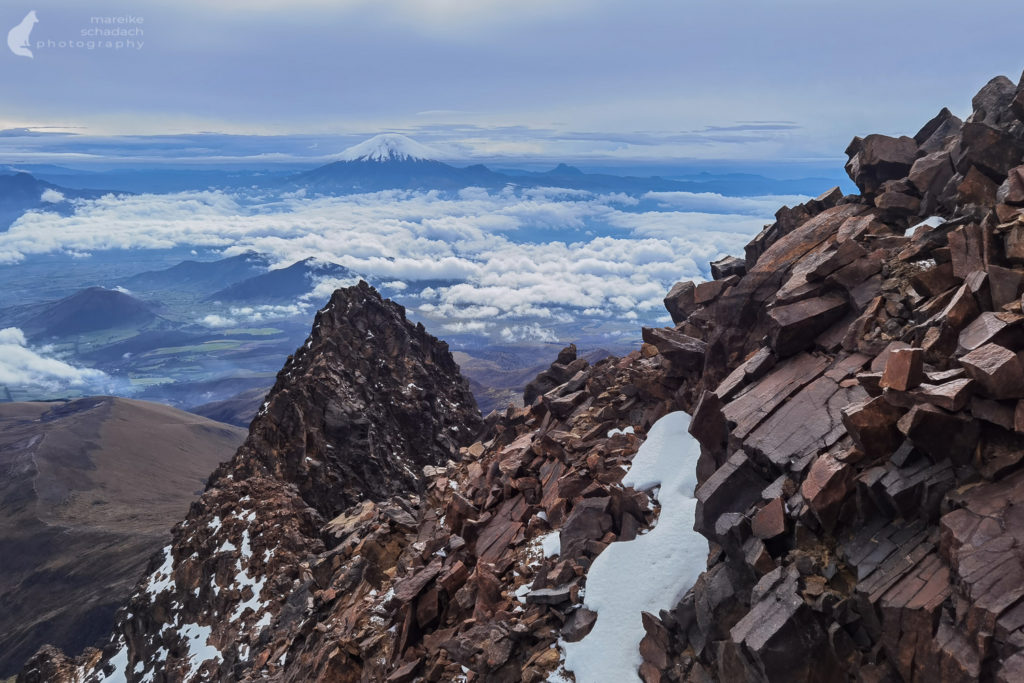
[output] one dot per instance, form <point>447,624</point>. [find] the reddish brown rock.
<point>940,434</point>
<point>770,521</point>
<point>1005,329</point>
<point>993,151</point>
<point>1006,285</point>
<point>967,250</point>
<point>727,267</point>
<point>878,158</point>
<point>904,369</point>
<point>997,370</point>
<point>683,351</point>
<point>872,426</point>
<point>952,395</point>
<point>707,292</point>
<point>976,188</point>
<point>826,487</point>
<point>680,301</point>
<point>795,326</point>
<point>732,488</point>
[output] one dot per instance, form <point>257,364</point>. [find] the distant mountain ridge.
<point>392,161</point>
<point>21,192</point>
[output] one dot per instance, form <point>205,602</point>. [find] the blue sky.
<point>504,79</point>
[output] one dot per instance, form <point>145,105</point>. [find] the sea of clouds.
<point>504,259</point>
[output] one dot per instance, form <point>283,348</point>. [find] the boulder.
<point>1005,329</point>
<point>930,175</point>
<point>940,434</point>
<point>872,426</point>
<point>770,521</point>
<point>825,489</point>
<point>728,266</point>
<point>936,133</point>
<point>1011,192</point>
<point>992,103</point>
<point>682,350</point>
<point>878,158</point>
<point>997,370</point>
<point>904,369</point>
<point>976,188</point>
<point>1005,285</point>
<point>679,302</point>
<point>991,150</point>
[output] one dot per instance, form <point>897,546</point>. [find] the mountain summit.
<point>389,147</point>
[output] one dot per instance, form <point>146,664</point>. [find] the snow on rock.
<point>162,578</point>
<point>647,574</point>
<point>551,544</point>
<point>389,147</point>
<point>613,432</point>
<point>199,650</point>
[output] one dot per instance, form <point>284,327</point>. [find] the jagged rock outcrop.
<point>877,453</point>
<point>355,416</point>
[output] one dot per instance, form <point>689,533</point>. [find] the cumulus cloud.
<point>514,254</point>
<point>467,327</point>
<point>218,321</point>
<point>22,366</point>
<point>242,315</point>
<point>51,196</point>
<point>531,332</point>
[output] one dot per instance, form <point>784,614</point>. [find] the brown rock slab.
<point>794,327</point>
<point>977,188</point>
<point>680,349</point>
<point>904,369</point>
<point>1005,285</point>
<point>997,370</point>
<point>991,150</point>
<point>728,266</point>
<point>770,521</point>
<point>580,622</point>
<point>872,426</point>
<point>941,434</point>
<point>953,395</point>
<point>826,487</point>
<point>680,301</point>
<point>878,158</point>
<point>732,488</point>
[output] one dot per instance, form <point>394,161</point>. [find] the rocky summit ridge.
<point>856,384</point>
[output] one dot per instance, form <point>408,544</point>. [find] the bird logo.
<point>18,37</point>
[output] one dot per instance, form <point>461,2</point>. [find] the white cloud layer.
<point>21,366</point>
<point>511,254</point>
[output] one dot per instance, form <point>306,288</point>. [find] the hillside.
<point>92,489</point>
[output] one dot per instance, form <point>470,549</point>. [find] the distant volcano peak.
<point>389,147</point>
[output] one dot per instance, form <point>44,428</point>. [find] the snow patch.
<point>650,573</point>
<point>163,578</point>
<point>199,652</point>
<point>551,544</point>
<point>613,432</point>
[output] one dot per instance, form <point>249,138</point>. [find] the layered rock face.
<point>861,426</point>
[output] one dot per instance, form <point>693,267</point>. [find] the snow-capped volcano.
<point>389,147</point>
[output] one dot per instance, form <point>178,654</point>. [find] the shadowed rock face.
<point>857,392</point>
